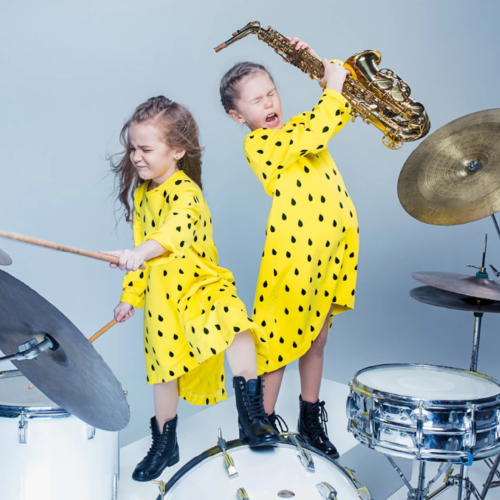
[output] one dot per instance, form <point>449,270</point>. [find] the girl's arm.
<point>269,152</point>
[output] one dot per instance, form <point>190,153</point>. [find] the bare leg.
<point>311,365</point>
<point>272,388</point>
<point>166,397</point>
<point>242,357</point>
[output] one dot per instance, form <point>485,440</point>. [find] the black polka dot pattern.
<point>310,255</point>
<point>192,310</point>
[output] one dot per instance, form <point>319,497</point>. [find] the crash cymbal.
<point>442,298</point>
<point>5,260</point>
<point>72,373</point>
<point>453,176</point>
<point>472,286</point>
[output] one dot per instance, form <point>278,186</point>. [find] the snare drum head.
<point>427,382</point>
<point>14,392</point>
<point>263,472</point>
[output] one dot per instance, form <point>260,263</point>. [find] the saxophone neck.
<point>251,28</point>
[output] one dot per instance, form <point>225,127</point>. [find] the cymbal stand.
<point>30,350</point>
<point>492,464</point>
<point>478,316</point>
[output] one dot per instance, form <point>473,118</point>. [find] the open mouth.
<point>272,120</point>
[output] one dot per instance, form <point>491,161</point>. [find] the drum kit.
<point>423,412</point>
<point>436,413</point>
<point>61,437</point>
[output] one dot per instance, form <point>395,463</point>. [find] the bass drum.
<point>266,473</point>
<point>48,453</point>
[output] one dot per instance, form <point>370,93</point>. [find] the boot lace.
<point>158,444</point>
<point>254,406</point>
<point>280,423</point>
<point>317,418</point>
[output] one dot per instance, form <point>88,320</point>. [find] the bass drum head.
<point>433,383</point>
<point>263,472</point>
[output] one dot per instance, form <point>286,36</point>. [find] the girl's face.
<point>259,105</point>
<point>153,159</point>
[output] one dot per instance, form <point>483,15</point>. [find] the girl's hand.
<point>123,312</point>
<point>299,44</point>
<point>130,260</point>
<point>335,75</point>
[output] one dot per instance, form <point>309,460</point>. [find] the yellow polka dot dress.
<point>311,250</point>
<point>191,309</point>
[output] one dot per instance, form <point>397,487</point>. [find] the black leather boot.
<point>312,427</point>
<point>252,419</point>
<point>163,453</point>
<point>278,423</point>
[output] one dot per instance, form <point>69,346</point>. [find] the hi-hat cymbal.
<point>464,284</point>
<point>442,298</point>
<point>453,176</point>
<point>72,374</point>
<point>5,259</point>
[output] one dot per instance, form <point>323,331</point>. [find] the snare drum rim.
<point>373,392</point>
<point>215,451</point>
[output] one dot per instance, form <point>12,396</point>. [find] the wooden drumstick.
<point>57,246</point>
<point>94,337</point>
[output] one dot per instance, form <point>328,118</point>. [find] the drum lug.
<point>228,460</point>
<point>23,429</point>
<point>90,432</point>
<point>304,456</point>
<point>470,428</point>
<point>419,435</point>
<point>115,486</point>
<point>373,413</point>
<point>242,494</point>
<point>327,491</point>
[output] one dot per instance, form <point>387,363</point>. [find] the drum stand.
<point>30,349</point>
<point>421,492</point>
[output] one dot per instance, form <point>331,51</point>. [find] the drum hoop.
<point>377,393</point>
<point>33,412</point>
<point>215,451</point>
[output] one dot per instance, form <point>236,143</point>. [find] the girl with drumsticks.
<point>192,313</point>
<point>309,263</point>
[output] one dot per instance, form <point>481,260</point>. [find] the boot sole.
<point>261,442</point>
<point>170,463</point>
<point>334,456</point>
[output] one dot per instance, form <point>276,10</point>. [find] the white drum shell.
<point>263,473</point>
<point>58,460</point>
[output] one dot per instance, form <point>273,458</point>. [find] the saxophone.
<point>377,96</point>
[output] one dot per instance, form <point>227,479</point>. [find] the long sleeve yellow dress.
<point>311,250</point>
<point>191,308</point>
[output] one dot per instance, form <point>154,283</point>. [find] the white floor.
<point>199,433</point>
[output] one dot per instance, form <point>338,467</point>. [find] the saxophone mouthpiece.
<point>220,47</point>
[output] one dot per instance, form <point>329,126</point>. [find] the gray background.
<point>72,73</point>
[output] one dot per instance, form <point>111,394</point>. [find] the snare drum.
<point>426,412</point>
<point>47,453</point>
<point>267,473</point>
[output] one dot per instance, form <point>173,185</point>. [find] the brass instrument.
<point>378,96</point>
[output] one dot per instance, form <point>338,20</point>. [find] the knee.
<point>319,343</point>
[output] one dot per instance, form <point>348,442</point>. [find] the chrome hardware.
<point>23,429</point>
<point>228,460</point>
<point>304,456</point>
<point>327,491</point>
<point>90,432</point>
<point>242,494</point>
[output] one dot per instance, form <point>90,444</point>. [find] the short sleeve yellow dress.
<point>191,308</point>
<point>311,250</point>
